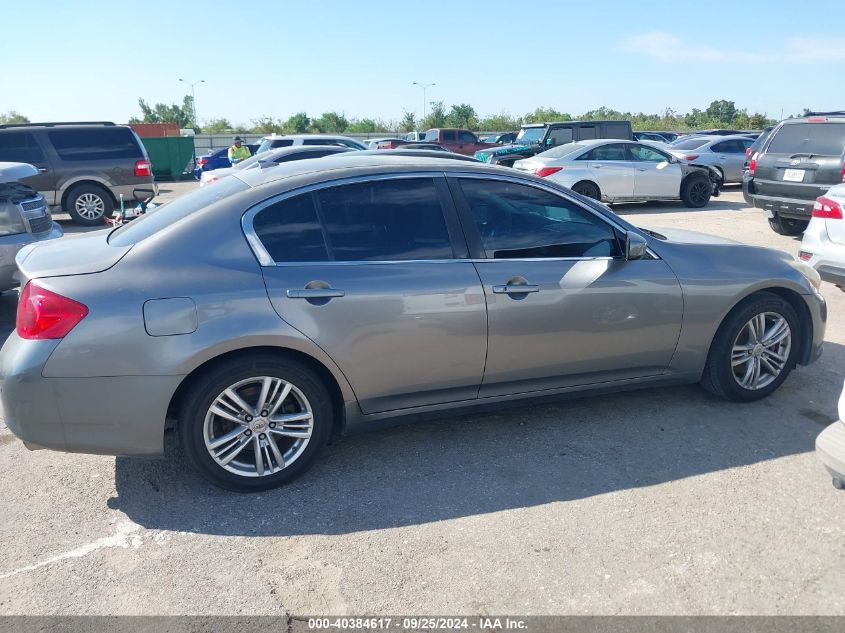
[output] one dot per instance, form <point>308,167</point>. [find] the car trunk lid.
<point>73,255</point>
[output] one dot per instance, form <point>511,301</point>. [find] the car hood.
<point>500,150</point>
<point>682,236</point>
<point>72,255</point>
<point>12,172</point>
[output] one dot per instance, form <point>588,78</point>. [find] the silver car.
<point>24,218</point>
<point>265,314</point>
<point>614,170</point>
<point>823,244</point>
<point>724,153</point>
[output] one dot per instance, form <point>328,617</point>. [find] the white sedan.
<point>613,170</point>
<point>823,245</point>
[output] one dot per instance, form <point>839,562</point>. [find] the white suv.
<point>823,246</point>
<point>275,141</point>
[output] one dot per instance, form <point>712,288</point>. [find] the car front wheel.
<point>754,350</point>
<point>696,191</point>
<point>87,205</point>
<point>255,424</point>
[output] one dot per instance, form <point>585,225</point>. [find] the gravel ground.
<point>661,501</point>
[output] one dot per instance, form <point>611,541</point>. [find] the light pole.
<point>424,88</point>
<point>193,97</point>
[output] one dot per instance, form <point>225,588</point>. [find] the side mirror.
<point>635,246</point>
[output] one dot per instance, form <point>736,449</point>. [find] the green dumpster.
<point>171,156</point>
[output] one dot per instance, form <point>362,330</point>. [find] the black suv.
<point>84,167</point>
<point>800,160</point>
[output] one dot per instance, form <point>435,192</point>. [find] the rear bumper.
<point>830,449</point>
<point>117,415</point>
<point>793,208</point>
<point>826,256</point>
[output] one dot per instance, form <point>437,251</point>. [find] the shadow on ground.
<point>474,465</point>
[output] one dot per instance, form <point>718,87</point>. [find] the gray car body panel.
<point>110,369</point>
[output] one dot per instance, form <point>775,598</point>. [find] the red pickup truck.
<point>456,140</point>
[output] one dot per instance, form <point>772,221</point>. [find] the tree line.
<point>719,114</point>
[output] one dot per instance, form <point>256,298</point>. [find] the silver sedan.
<point>724,153</point>
<point>267,313</point>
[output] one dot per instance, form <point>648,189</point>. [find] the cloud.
<point>812,49</point>
<point>667,47</point>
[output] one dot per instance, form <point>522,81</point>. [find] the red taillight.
<point>816,119</point>
<point>690,156</point>
<point>843,174</point>
<point>43,314</point>
<point>546,171</point>
<point>827,209</point>
<point>748,151</point>
<point>804,256</point>
<point>202,162</point>
<point>143,168</point>
<point>752,164</point>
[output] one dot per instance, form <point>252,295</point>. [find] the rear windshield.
<point>170,213</point>
<point>690,143</point>
<point>825,139</point>
<point>561,150</point>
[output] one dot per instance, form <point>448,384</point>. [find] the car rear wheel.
<point>696,191</point>
<point>788,226</point>
<point>87,205</point>
<point>256,423</point>
<point>754,350</point>
<point>587,189</point>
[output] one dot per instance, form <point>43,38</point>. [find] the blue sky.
<point>92,60</point>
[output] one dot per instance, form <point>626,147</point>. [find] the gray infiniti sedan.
<point>266,314</point>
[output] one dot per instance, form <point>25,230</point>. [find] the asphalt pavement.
<point>660,501</point>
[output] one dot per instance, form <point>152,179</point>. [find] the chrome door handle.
<point>595,166</point>
<point>640,168</point>
<point>515,289</point>
<point>42,169</point>
<point>315,293</point>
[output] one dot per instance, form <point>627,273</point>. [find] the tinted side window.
<point>385,220</point>
<point>280,143</point>
<point>449,136</point>
<point>614,151</point>
<point>432,135</point>
<point>587,131</point>
<point>466,137</point>
<point>291,232</point>
<point>106,143</point>
<point>518,221</point>
<point>647,154</point>
<point>20,147</point>
<point>560,135</point>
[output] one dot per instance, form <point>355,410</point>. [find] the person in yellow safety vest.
<point>238,151</point>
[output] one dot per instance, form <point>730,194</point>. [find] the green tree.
<point>362,126</point>
<point>267,125</point>
<point>330,122</point>
<point>217,126</point>
<point>182,115</point>
<point>436,117</point>
<point>503,122</point>
<point>463,116</point>
<point>13,116</point>
<point>408,122</point>
<point>298,123</point>
<point>543,115</point>
<point>722,112</point>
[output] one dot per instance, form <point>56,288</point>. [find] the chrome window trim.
<point>265,260</point>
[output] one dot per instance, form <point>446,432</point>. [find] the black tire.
<point>206,388</point>
<point>788,226</point>
<point>696,191</point>
<point>102,209</point>
<point>587,189</point>
<point>718,377</point>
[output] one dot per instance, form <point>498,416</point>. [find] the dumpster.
<point>171,156</point>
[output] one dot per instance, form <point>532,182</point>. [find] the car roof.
<point>350,164</point>
<point>303,136</point>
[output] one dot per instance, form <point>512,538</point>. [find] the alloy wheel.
<point>90,206</point>
<point>258,426</point>
<point>699,192</point>
<point>761,350</point>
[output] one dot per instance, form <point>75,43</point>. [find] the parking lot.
<point>660,501</point>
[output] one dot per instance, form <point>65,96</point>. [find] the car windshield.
<point>156,220</point>
<point>529,135</point>
<point>561,150</point>
<point>690,143</point>
<point>824,139</point>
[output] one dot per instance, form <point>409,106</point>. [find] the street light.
<point>193,97</point>
<point>424,87</point>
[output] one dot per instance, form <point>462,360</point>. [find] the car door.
<point>657,175</point>
<point>376,274</point>
<point>21,146</point>
<point>564,306</point>
<point>611,169</point>
<point>467,143</point>
<point>729,157</point>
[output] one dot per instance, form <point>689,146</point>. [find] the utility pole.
<point>193,98</point>
<point>424,88</point>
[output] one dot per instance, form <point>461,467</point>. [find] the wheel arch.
<point>309,361</point>
<point>68,188</point>
<point>589,181</point>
